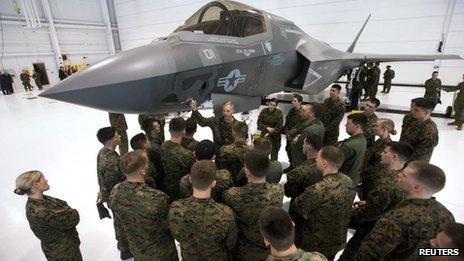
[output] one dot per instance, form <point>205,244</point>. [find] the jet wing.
<point>404,57</point>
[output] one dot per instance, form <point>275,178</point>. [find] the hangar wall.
<point>396,27</point>
<point>80,30</point>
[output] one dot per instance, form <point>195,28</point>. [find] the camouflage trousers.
<point>276,143</point>
<point>387,84</point>
<point>459,114</point>
<point>124,146</point>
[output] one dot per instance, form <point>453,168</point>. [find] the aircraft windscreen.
<point>227,19</point>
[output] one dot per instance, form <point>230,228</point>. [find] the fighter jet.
<point>224,51</point>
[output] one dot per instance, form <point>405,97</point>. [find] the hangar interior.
<point>59,138</point>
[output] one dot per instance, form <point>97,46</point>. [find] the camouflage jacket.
<point>326,210</point>
<point>224,182</point>
<point>247,202</point>
<point>222,130</point>
<point>301,255</point>
<point>118,121</point>
<point>388,75</point>
<point>303,176</point>
<point>373,76</point>
<point>398,233</point>
<point>353,150</point>
<point>369,131</point>
<point>373,154</point>
<point>108,172</point>
<point>374,176</point>
<point>459,102</point>
<point>143,211</point>
<point>54,224</point>
<point>231,157</point>
<point>305,128</point>
<point>423,137</point>
<point>432,89</point>
<point>190,143</point>
<point>177,162</point>
<point>381,199</point>
<point>270,119</point>
<point>332,116</point>
<point>160,117</point>
<point>408,121</point>
<point>206,230</point>
<point>292,119</point>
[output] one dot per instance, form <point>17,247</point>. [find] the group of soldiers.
<point>221,199</point>
<point>25,78</point>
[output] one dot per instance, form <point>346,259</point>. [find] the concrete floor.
<point>59,139</point>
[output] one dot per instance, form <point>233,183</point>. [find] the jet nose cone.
<point>125,82</point>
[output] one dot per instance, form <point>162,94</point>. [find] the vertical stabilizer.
<point>353,44</point>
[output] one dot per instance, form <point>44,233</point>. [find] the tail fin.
<point>351,48</point>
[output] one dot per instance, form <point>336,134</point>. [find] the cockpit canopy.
<point>227,19</point>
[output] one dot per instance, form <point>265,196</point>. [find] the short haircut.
<point>434,72</point>
<point>375,101</point>
<point>315,141</point>
<point>333,155</point>
<point>298,97</point>
<point>388,66</point>
<point>427,104</point>
<point>177,125</point>
<point>137,141</point>
<point>415,100</point>
<point>147,125</point>
<point>205,150</point>
<point>455,231</point>
<point>359,119</point>
<point>276,226</point>
<point>190,126</point>
<point>202,174</point>
<point>336,86</point>
<point>240,128</point>
<point>429,175</point>
<point>402,149</point>
<point>274,100</point>
<point>106,134</point>
<point>257,163</point>
<point>262,144</point>
<point>133,161</point>
<point>228,103</point>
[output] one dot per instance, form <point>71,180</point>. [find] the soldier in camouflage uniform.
<point>291,121</point>
<point>408,120</point>
<point>206,230</point>
<point>388,76</point>
<point>248,201</point>
<point>354,147</point>
<point>160,119</point>
<point>270,123</point>
<point>382,128</point>
<point>332,115</point>
<point>206,150</point>
<point>305,174</point>
<point>279,234</point>
<point>140,142</point>
<point>176,159</point>
<point>52,220</point>
<point>310,125</point>
<point>118,121</point>
<point>143,211</point>
<point>231,156</point>
<point>220,126</point>
<point>152,129</point>
<point>433,88</point>
<point>321,202</point>
<point>190,128</point>
<point>109,174</point>
<point>381,198</point>
<point>371,107</point>
<point>368,73</point>
<point>400,232</point>
<point>458,105</point>
<point>423,135</point>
